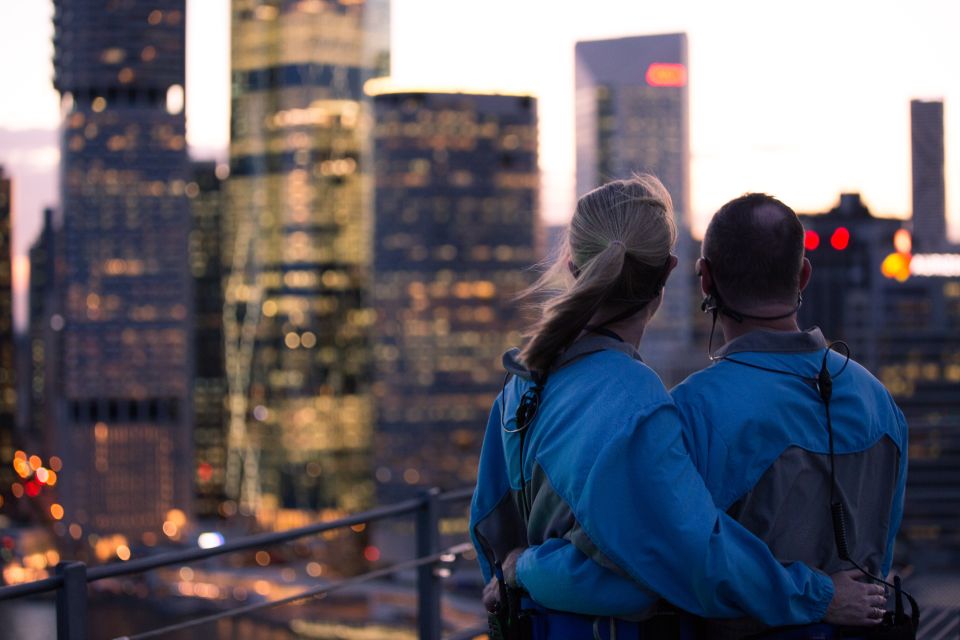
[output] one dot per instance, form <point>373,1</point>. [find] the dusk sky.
<point>802,100</point>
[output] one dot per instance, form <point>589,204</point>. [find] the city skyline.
<point>313,323</point>
<point>829,118</point>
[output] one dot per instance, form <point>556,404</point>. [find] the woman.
<point>583,460</point>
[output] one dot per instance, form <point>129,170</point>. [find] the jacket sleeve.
<point>896,509</point>
<point>559,576</point>
<point>496,525</point>
<point>645,508</point>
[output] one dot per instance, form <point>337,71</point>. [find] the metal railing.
<point>71,578</point>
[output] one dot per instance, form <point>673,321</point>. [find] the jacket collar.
<point>590,343</point>
<point>775,342</point>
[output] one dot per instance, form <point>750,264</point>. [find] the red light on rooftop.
<point>666,74</point>
<point>840,239</point>
<point>811,240</point>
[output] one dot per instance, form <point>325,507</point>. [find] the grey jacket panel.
<point>789,507</point>
<point>502,530</point>
<point>552,517</point>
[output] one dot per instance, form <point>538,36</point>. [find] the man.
<point>756,424</point>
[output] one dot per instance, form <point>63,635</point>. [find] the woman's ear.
<point>673,265</point>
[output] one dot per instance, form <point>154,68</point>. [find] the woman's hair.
<point>618,244</point>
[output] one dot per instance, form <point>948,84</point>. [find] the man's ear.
<point>706,278</point>
<point>806,270</point>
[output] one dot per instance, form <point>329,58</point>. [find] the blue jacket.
<point>761,443</point>
<point>618,515</point>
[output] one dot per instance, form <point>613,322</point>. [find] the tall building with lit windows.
<point>297,319</point>
<point>927,164</point>
<point>205,191</point>
<point>632,116</point>
<point>456,210</point>
<point>122,416</point>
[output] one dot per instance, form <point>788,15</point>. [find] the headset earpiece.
<point>708,304</point>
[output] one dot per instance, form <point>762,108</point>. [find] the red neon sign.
<point>666,74</point>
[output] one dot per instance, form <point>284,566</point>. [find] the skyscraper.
<point>929,188</point>
<point>632,116</point>
<point>40,310</point>
<point>456,210</point>
<point>297,227</point>
<point>209,383</point>
<point>122,417</point>
<point>7,383</point>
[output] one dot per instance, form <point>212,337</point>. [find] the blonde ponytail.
<point>619,244</point>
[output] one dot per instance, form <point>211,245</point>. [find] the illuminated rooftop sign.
<point>666,74</point>
<point>944,265</point>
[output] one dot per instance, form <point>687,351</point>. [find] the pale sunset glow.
<point>799,101</point>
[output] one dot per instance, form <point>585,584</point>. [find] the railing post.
<point>72,601</point>
<point>428,583</point>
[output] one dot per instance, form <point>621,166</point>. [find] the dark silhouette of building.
<point>456,210</point>
<point>632,100</point>
<point>122,412</point>
<point>929,189</point>
<point>297,251</point>
<point>846,247</point>
<point>904,326</point>
<point>209,383</point>
<point>41,291</point>
<point>7,383</point>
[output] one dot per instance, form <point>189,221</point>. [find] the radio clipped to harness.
<point>508,622</point>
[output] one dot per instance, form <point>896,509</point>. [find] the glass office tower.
<point>205,192</point>
<point>456,212</point>
<point>7,383</point>
<point>928,217</point>
<point>296,249</point>
<point>122,412</point>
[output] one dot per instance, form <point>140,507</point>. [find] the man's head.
<point>753,250</point>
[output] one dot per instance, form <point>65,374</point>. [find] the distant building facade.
<point>456,213</point>
<point>846,247</point>
<point>632,100</point>
<point>929,186</point>
<point>205,191</point>
<point>7,382</point>
<point>904,326</point>
<point>297,254</point>
<point>122,413</point>
<point>41,292</point>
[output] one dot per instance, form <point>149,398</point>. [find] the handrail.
<point>72,577</point>
<point>31,588</point>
